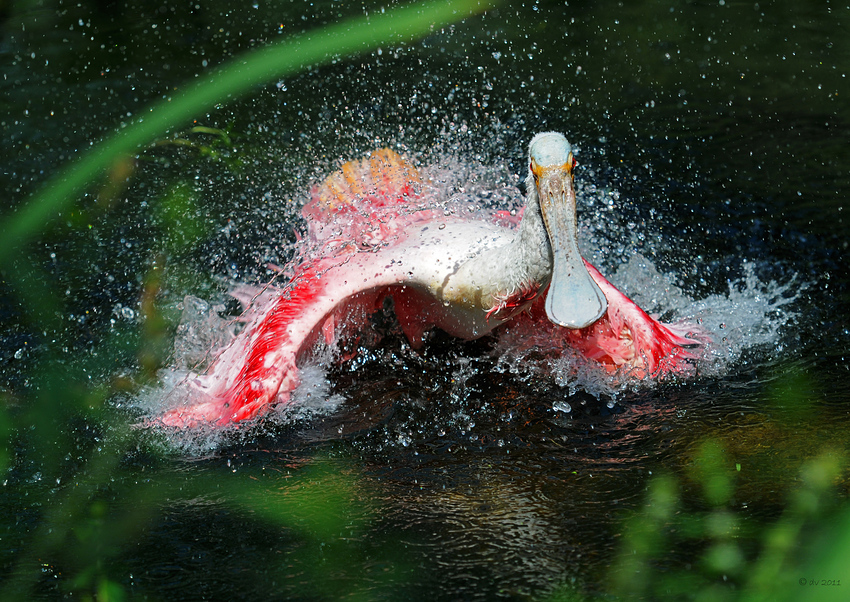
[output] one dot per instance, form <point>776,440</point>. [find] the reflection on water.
<point>711,156</point>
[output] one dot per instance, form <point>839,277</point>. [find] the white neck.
<point>523,264</point>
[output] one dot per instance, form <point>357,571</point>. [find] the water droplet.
<point>562,406</point>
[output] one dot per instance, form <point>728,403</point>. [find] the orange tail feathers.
<point>382,178</point>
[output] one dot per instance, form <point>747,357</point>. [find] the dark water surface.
<point>719,132</point>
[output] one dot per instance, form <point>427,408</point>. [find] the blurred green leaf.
<point>179,216</point>
<point>320,503</point>
<point>714,471</point>
<point>644,538</point>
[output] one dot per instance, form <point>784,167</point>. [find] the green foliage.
<point>695,537</point>
<point>84,486</point>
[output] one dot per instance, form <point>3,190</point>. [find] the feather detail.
<point>505,304</point>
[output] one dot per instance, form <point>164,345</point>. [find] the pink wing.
<point>258,366</point>
<point>626,338</point>
<point>355,207</point>
<point>363,201</point>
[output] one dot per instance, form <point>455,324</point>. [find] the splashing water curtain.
<point>373,235</point>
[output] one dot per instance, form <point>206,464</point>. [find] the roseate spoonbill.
<point>372,234</point>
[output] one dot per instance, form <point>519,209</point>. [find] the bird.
<point>374,236</point>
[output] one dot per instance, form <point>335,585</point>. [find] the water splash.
<point>750,314</point>
<point>203,333</point>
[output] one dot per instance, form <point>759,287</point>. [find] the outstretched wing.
<point>628,336</point>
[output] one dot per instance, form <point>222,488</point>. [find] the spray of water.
<point>750,314</point>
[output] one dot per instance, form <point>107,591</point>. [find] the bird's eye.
<point>573,161</point>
